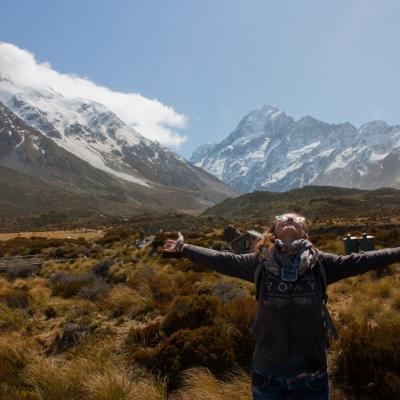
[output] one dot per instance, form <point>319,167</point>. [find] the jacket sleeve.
<point>340,267</point>
<point>237,265</point>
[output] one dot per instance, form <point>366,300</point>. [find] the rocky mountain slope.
<point>95,135</point>
<point>26,150</point>
<point>269,150</point>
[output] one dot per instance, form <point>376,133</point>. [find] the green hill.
<point>315,202</point>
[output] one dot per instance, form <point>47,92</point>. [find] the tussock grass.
<point>118,384</point>
<point>14,356</point>
<point>51,379</point>
<point>141,313</point>
<point>201,384</point>
<point>11,319</point>
<point>94,378</point>
<point>122,300</point>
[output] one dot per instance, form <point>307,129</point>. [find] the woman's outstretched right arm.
<point>237,265</point>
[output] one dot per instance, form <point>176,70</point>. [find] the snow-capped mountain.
<point>94,134</point>
<point>26,151</point>
<point>269,150</point>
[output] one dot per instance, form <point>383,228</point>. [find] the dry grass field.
<point>129,323</point>
<point>88,234</point>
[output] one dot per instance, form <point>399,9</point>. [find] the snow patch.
<point>282,173</point>
<point>377,157</point>
<point>217,168</point>
<point>259,152</point>
<point>21,142</point>
<point>325,153</point>
<point>95,159</point>
<point>344,158</point>
<point>276,114</point>
<point>295,154</point>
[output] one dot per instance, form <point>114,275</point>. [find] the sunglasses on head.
<point>285,217</point>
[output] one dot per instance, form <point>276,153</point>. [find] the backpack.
<point>321,276</point>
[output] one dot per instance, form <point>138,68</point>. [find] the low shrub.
<point>227,291</point>
<point>102,267</point>
<point>22,271</point>
<point>190,312</point>
<point>145,335</point>
<point>70,250</point>
<point>14,298</point>
<point>241,313</point>
<point>209,346</point>
<point>114,235</point>
<point>368,360</point>
<point>36,245</point>
<point>95,290</point>
<point>160,283</point>
<point>184,264</point>
<point>66,285</point>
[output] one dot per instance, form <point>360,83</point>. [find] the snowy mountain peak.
<point>373,127</point>
<point>270,110</point>
<point>264,114</point>
<point>269,150</point>
<point>309,120</point>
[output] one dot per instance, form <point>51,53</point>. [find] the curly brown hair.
<point>268,237</point>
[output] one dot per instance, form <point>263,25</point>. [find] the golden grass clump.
<point>118,384</point>
<point>381,288</point>
<point>13,359</point>
<point>345,316</point>
<point>51,379</point>
<point>39,292</point>
<point>122,300</point>
<point>75,267</point>
<point>14,298</point>
<point>201,384</point>
<point>91,379</point>
<point>11,319</point>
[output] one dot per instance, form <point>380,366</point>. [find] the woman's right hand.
<point>170,245</point>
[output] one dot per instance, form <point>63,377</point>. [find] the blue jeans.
<point>266,387</point>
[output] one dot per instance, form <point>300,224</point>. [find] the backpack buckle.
<point>289,274</point>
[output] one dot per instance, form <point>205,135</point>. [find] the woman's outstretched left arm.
<point>340,267</point>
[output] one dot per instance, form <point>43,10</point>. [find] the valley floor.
<point>131,323</point>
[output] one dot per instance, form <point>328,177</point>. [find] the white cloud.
<point>150,117</point>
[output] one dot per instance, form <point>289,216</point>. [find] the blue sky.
<point>215,60</point>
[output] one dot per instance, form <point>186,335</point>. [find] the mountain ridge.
<point>270,150</point>
<point>314,202</point>
<point>29,152</point>
<point>91,132</point>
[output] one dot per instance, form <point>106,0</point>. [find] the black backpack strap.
<point>327,316</point>
<point>257,277</point>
